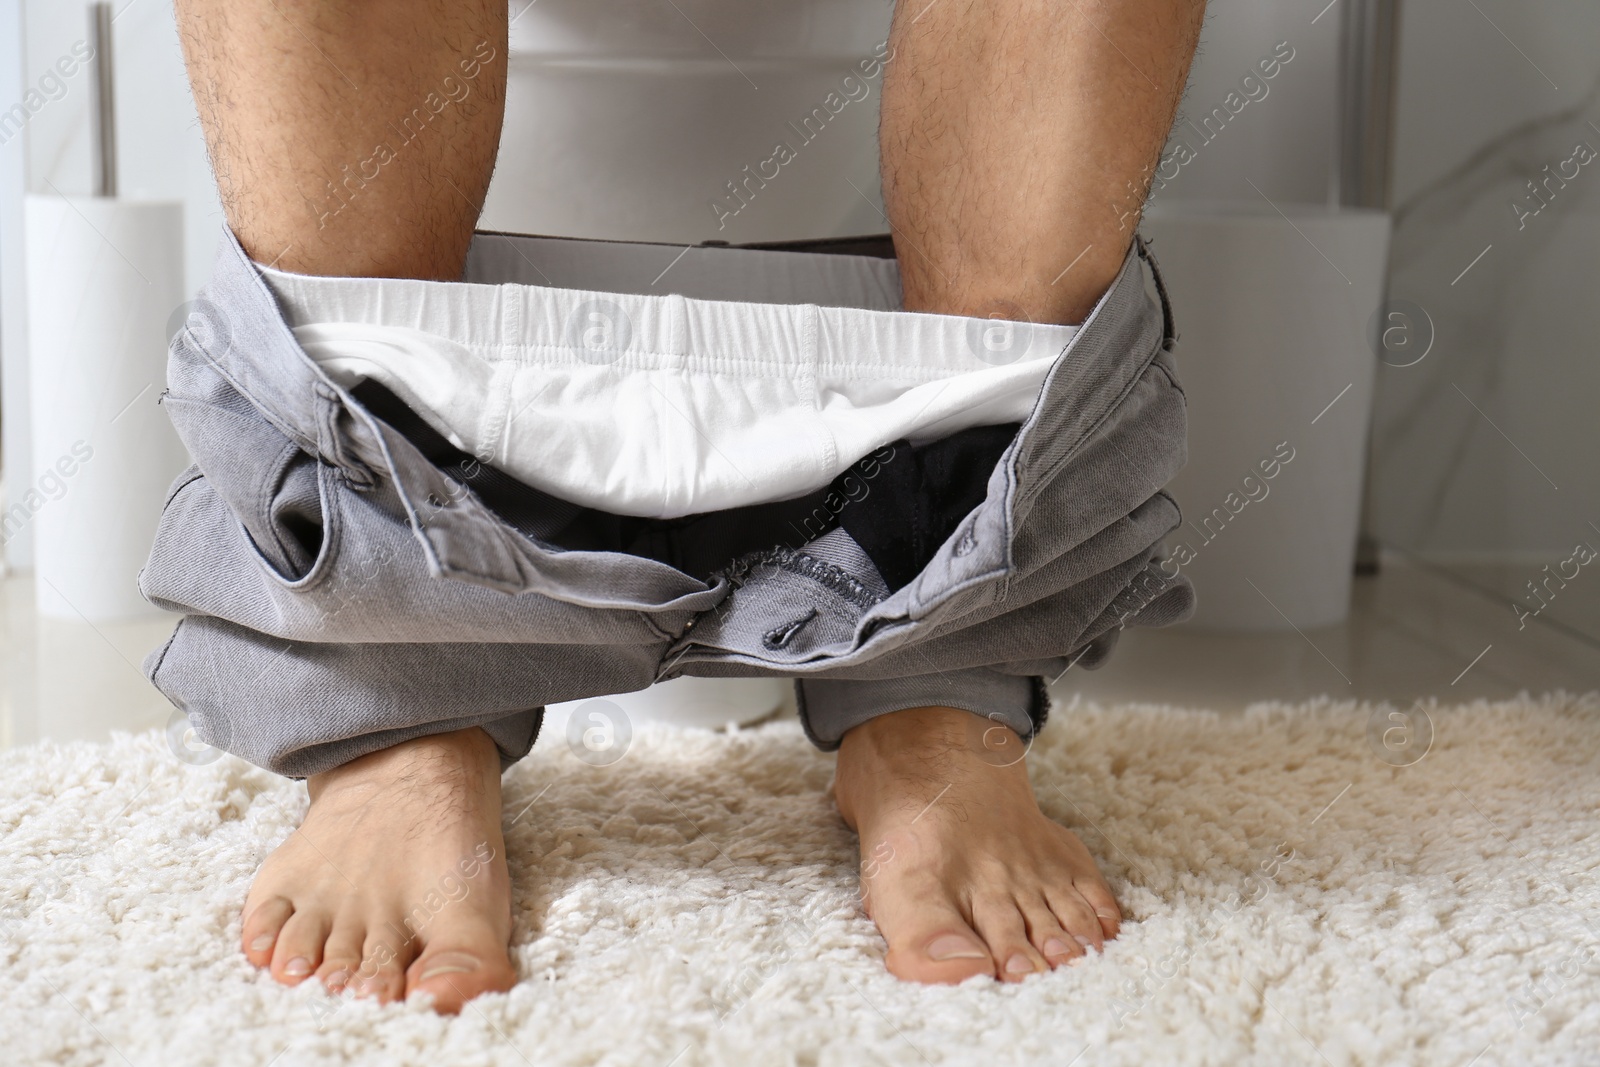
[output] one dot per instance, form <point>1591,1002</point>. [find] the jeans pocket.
<point>298,519</point>
<point>282,498</point>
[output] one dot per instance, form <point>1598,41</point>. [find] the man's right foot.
<point>962,872</point>
<point>396,882</point>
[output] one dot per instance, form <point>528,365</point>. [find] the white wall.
<point>1284,142</point>
<point>161,153</point>
<point>15,447</point>
<point>1483,108</point>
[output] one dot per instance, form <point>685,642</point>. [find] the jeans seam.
<point>161,656</point>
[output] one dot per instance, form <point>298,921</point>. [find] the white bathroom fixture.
<point>629,119</point>
<point>1276,310</point>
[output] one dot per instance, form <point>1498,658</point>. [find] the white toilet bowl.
<point>627,119</point>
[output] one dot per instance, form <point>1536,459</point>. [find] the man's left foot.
<point>396,883</point>
<point>962,872</point>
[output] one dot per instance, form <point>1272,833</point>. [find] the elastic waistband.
<point>749,312</point>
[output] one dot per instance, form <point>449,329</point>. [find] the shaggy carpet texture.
<point>1322,884</point>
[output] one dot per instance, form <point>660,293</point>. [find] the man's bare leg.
<point>358,139</point>
<point>1018,135</point>
<point>1018,139</point>
<point>298,97</point>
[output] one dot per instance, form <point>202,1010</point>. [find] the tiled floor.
<point>1571,604</point>
<point>1414,632</point>
<point>69,680</point>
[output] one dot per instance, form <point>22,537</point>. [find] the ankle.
<point>907,758</point>
<point>461,755</point>
<point>889,734</point>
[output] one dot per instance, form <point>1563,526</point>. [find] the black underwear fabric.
<point>899,503</point>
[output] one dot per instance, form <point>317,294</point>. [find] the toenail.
<point>954,947</point>
<point>1088,946</point>
<point>262,943</point>
<point>1056,947</point>
<point>298,967</point>
<point>454,963</point>
<point>337,980</point>
<point>1019,964</point>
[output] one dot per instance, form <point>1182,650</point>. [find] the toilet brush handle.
<point>103,109</point>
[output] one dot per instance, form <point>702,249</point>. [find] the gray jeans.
<point>347,582</point>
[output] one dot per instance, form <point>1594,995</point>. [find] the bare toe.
<point>1045,932</point>
<point>930,943</point>
<point>999,920</point>
<point>382,973</point>
<point>262,922</point>
<point>341,956</point>
<point>298,952</point>
<point>1097,894</point>
<point>1077,916</point>
<point>454,970</point>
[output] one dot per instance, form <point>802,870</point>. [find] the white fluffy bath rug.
<point>1303,884</point>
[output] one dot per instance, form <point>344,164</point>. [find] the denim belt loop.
<point>334,445</point>
<point>1169,333</point>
